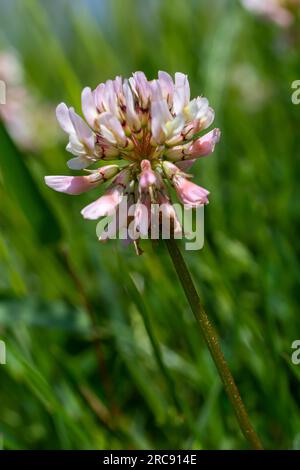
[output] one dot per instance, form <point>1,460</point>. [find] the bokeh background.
<point>102,349</point>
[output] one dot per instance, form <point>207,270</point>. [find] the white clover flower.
<point>151,125</point>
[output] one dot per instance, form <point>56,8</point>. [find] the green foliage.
<point>102,349</point>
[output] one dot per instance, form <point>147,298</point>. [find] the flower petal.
<point>147,177</point>
<point>89,106</point>
<point>185,165</point>
<point>169,220</point>
<point>103,206</point>
<point>84,133</point>
<point>75,146</point>
<point>199,148</point>
<point>71,184</point>
<point>79,163</point>
<point>131,114</point>
<point>181,93</point>
<point>63,117</point>
<point>160,116</point>
<point>142,215</point>
<point>174,127</point>
<point>190,193</point>
<point>207,119</point>
<point>167,86</point>
<point>140,86</point>
<point>205,145</point>
<point>111,128</point>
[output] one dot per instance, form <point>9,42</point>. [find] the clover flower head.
<point>149,132</point>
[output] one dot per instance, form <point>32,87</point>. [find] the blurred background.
<point>102,349</point>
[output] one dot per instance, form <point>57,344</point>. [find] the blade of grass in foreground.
<point>19,182</point>
<point>180,405</point>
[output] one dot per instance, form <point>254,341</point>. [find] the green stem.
<point>212,342</point>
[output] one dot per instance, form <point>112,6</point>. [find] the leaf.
<point>21,186</point>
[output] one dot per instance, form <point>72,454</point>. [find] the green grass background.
<point>102,349</point>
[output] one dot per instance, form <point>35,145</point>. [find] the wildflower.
<point>148,130</point>
<point>280,12</point>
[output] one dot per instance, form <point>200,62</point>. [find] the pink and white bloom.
<point>280,12</point>
<point>155,129</point>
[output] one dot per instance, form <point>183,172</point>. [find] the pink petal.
<point>147,177</point>
<point>207,119</point>
<point>117,84</point>
<point>141,88</point>
<point>205,145</point>
<point>71,184</point>
<point>122,179</point>
<point>109,122</point>
<point>166,85</point>
<point>142,215</point>
<point>181,93</point>
<point>169,219</point>
<point>160,116</point>
<point>131,114</point>
<point>189,193</point>
<point>98,95</point>
<point>105,205</point>
<point>181,80</point>
<point>81,184</point>
<point>63,117</point>
<point>164,125</point>
<point>79,163</point>
<point>83,131</point>
<point>185,165</point>
<point>89,106</point>
<point>110,98</point>
<point>170,169</point>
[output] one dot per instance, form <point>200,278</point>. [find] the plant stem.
<point>211,339</point>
